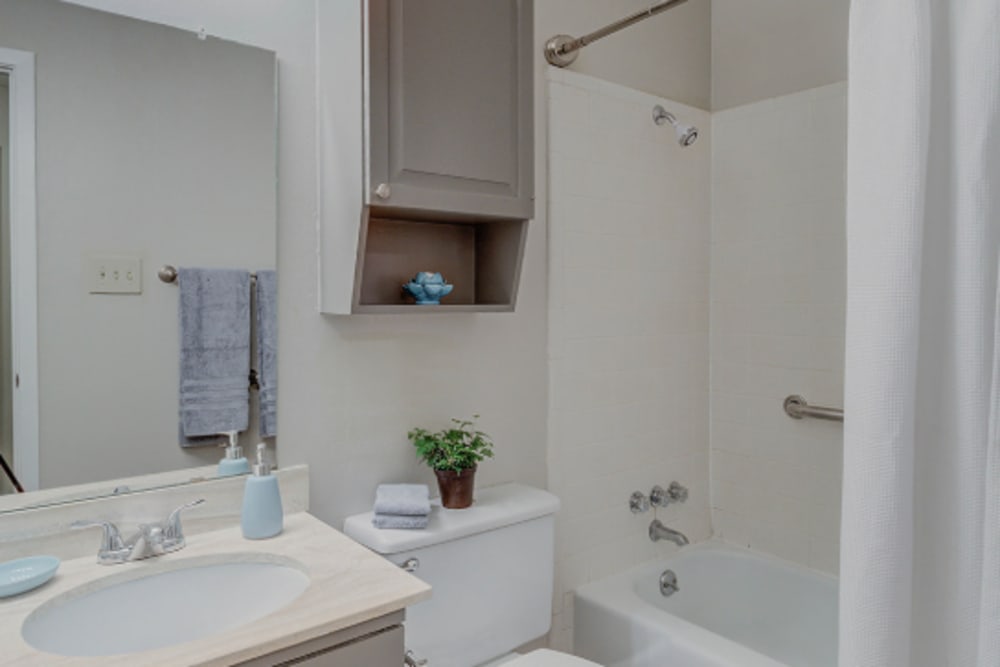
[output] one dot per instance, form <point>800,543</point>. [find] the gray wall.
<point>151,143</point>
<point>766,48</point>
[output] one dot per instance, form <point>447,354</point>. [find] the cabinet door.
<point>450,107</point>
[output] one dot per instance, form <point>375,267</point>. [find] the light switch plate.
<point>114,275</point>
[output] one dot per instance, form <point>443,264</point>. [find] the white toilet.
<point>491,570</point>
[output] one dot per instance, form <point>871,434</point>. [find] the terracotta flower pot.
<point>456,487</point>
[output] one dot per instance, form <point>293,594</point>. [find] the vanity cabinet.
<point>441,178</point>
<point>376,643</point>
<point>450,108</point>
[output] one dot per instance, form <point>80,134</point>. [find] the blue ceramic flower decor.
<point>428,288</point>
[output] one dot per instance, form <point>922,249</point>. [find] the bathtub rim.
<point>617,594</point>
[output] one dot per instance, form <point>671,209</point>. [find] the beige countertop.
<point>348,585</point>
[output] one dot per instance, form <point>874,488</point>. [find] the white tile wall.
<point>777,322</point>
<point>628,326</point>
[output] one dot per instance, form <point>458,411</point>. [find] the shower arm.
<point>561,50</point>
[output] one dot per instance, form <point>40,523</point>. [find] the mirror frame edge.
<point>20,66</point>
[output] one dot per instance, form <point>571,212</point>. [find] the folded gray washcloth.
<point>214,318</point>
<point>402,499</point>
<point>267,351</point>
<point>400,521</point>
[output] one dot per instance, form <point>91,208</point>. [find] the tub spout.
<point>657,532</point>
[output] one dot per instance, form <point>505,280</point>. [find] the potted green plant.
<point>454,454</point>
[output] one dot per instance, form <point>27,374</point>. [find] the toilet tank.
<point>490,567</point>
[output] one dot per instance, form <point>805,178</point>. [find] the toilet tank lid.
<point>494,507</point>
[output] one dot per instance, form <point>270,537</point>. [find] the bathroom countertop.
<point>348,585</point>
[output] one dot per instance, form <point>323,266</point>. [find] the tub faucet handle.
<point>638,502</point>
<point>675,493</point>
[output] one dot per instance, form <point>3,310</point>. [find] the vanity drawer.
<point>377,643</point>
<point>384,648</point>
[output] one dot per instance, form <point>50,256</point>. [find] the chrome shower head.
<point>686,134</point>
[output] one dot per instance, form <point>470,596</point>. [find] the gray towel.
<point>215,352</point>
<point>399,521</point>
<point>267,351</point>
<point>404,499</point>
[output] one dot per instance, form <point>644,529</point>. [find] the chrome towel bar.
<point>796,407</point>
<point>168,274</point>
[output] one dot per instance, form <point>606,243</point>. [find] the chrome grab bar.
<point>796,407</point>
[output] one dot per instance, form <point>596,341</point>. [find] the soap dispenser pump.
<point>262,514</point>
<point>233,463</point>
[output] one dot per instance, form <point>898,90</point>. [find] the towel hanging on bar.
<point>214,314</point>
<point>267,351</point>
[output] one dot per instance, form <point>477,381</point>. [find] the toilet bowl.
<point>491,570</point>
<point>548,658</point>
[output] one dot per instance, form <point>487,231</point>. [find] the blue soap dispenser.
<point>262,514</point>
<point>233,463</point>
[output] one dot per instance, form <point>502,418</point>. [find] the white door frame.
<point>20,65</point>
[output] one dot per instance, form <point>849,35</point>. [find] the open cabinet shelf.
<point>481,258</point>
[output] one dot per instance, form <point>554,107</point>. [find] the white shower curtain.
<point>920,554</point>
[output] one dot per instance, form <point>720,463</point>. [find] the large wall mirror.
<point>151,144</point>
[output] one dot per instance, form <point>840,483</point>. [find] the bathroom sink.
<point>179,602</point>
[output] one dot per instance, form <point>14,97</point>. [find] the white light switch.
<point>114,275</point>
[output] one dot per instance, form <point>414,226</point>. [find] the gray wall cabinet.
<point>426,151</point>
<point>450,108</point>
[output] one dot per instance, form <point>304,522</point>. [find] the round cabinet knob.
<point>383,191</point>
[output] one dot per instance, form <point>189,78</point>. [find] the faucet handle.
<point>675,493</point>
<point>111,539</point>
<point>172,529</point>
<point>638,502</point>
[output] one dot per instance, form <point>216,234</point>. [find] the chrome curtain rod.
<point>561,49</point>
<point>796,407</point>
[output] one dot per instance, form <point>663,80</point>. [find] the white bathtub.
<point>734,608</point>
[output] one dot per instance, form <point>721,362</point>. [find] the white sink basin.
<point>180,602</point>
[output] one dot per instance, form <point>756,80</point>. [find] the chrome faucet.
<point>657,532</point>
<point>150,540</point>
